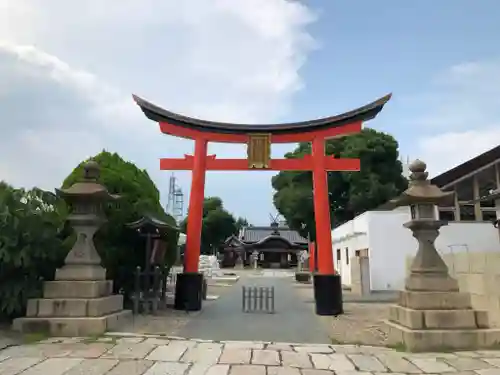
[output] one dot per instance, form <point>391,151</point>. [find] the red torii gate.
<point>327,284</point>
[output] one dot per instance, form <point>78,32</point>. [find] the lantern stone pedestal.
<point>432,314</point>
<point>79,302</point>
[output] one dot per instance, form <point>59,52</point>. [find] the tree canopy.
<point>31,244</point>
<point>218,224</point>
<point>350,193</point>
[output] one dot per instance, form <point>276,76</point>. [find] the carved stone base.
<point>80,272</point>
<point>71,327</point>
<point>79,303</point>
<point>431,282</point>
<point>435,321</point>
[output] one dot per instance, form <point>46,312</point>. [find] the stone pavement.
<point>294,321</point>
<point>122,354</point>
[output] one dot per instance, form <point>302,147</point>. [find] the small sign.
<point>259,151</point>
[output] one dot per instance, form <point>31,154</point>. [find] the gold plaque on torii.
<point>259,150</point>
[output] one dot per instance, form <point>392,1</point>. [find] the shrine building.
<point>275,246</point>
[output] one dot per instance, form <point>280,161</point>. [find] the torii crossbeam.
<point>327,284</point>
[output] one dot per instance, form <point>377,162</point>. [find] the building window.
<point>447,214</point>
<point>338,255</point>
<point>347,255</point>
<point>467,212</point>
<point>489,214</point>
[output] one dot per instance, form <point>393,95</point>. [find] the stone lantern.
<point>432,314</point>
<point>86,200</point>
<point>428,270</point>
<point>79,302</point>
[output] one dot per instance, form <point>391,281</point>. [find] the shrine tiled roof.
<point>256,234</point>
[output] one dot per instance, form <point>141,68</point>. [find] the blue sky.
<point>369,48</point>
<point>69,68</point>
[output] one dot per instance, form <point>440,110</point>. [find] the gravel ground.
<point>361,323</point>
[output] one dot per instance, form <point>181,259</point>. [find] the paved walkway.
<point>294,321</point>
<point>135,355</point>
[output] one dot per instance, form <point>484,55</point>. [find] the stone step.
<point>225,279</point>
<point>437,340</point>
<point>71,327</point>
<point>74,307</point>
<point>77,289</point>
<point>434,300</point>
<point>433,319</point>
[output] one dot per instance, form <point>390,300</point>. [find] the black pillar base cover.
<point>189,291</point>
<point>328,295</point>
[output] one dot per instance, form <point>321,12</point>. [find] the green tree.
<point>121,249</point>
<point>217,225</point>
<point>31,245</point>
<point>241,222</point>
<point>350,193</point>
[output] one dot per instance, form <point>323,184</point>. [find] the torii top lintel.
<point>187,127</point>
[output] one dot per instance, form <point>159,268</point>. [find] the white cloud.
<point>67,70</point>
<point>463,118</point>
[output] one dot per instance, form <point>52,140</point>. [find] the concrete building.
<point>371,251</point>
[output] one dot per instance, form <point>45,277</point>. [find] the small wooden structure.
<point>150,284</point>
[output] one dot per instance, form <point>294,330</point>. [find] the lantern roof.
<point>420,189</point>
<point>89,186</point>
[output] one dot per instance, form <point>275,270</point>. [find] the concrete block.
<point>69,327</point>
<point>478,262</point>
<point>32,307</point>
<point>428,283</point>
<point>463,282</point>
<point>449,260</point>
<point>493,263</point>
<point>62,307</point>
<point>439,340</point>
<point>479,302</point>
<point>77,289</point>
<point>491,284</point>
<point>493,302</point>
<point>461,262</point>
<point>83,273</point>
<point>434,300</point>
<point>476,283</point>
<point>449,319</point>
<point>489,338</point>
<point>482,319</point>
<point>407,317</point>
<point>104,305</point>
<point>79,307</point>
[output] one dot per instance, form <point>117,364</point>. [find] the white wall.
<point>390,243</point>
<point>352,236</point>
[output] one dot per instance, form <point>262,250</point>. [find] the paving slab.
<point>149,355</point>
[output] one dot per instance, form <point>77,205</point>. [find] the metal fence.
<point>257,299</point>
